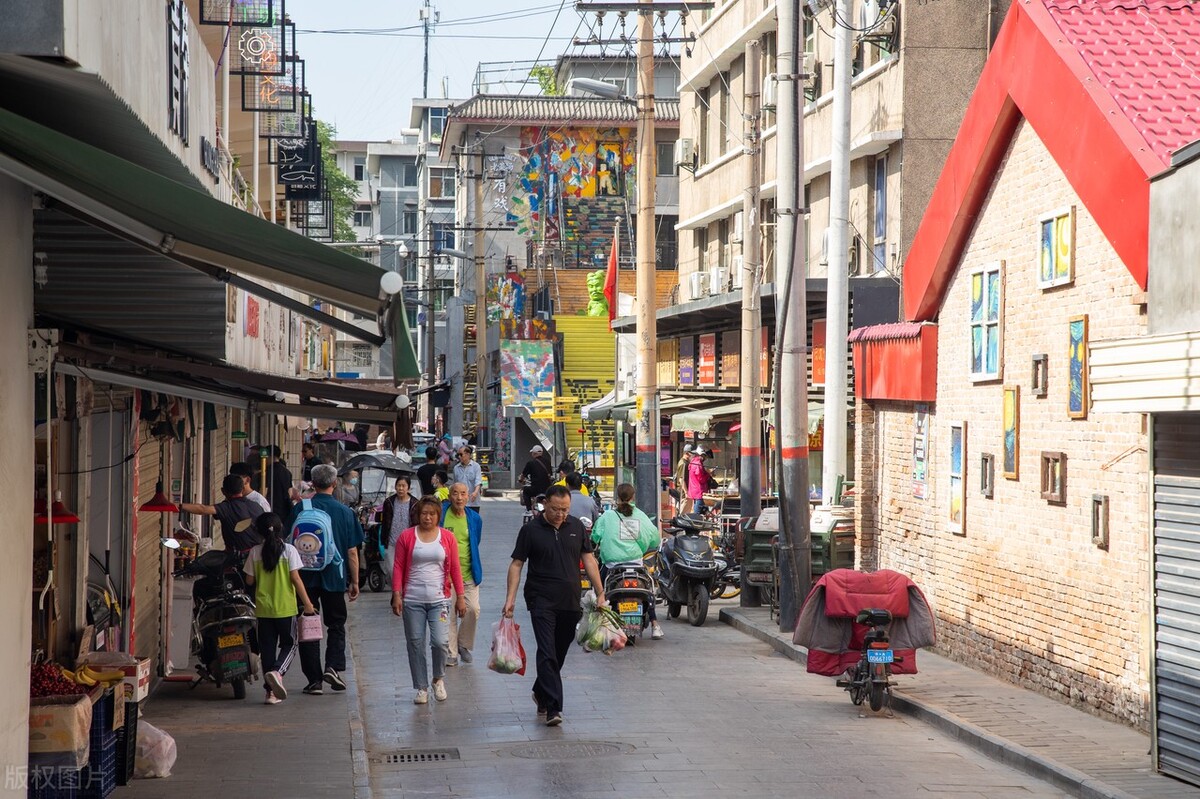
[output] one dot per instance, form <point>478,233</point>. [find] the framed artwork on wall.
<point>1041,375</point>
<point>1057,251</point>
<point>1077,367</point>
<point>1054,477</point>
<point>956,519</point>
<point>987,475</point>
<point>1012,432</point>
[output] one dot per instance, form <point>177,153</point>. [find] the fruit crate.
<point>98,778</point>
<point>127,744</point>
<point>53,782</point>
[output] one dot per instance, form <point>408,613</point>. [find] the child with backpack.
<point>441,485</point>
<point>273,569</point>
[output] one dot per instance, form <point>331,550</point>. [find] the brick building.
<point>986,474</point>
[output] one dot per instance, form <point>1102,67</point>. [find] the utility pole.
<point>646,463</point>
<point>791,326</point>
<point>750,473</point>
<point>837,300</point>
<point>430,327</point>
<point>426,14</point>
<point>480,305</point>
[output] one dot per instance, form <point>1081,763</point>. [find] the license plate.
<point>880,656</point>
<point>233,639</point>
<point>628,607</point>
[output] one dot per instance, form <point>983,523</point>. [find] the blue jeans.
<point>420,617</point>
<point>698,505</point>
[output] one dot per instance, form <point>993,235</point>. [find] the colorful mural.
<point>1077,378</point>
<point>527,329</point>
<point>505,297</point>
<point>1012,430</point>
<point>526,369</point>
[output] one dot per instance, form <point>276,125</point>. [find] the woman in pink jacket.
<point>425,568</point>
<point>698,480</point>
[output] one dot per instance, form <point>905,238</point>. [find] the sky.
<point>364,82</point>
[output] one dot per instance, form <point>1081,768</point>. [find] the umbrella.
<point>348,439</point>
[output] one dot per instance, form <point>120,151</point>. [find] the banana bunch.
<point>88,677</point>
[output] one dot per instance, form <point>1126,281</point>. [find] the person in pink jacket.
<point>699,480</point>
<point>425,568</point>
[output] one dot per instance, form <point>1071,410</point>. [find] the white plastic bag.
<point>155,752</point>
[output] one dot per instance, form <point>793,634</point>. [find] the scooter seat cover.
<point>848,591</point>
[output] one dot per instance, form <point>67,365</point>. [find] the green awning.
<point>700,421</point>
<point>404,359</point>
<point>186,225</point>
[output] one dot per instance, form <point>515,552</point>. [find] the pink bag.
<point>310,628</point>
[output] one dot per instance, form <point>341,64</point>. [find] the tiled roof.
<point>533,110</point>
<point>1146,55</point>
<point>887,332</point>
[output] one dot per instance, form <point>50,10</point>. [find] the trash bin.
<point>832,539</point>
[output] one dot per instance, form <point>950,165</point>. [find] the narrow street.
<point>704,712</point>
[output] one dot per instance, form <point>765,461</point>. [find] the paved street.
<point>703,712</point>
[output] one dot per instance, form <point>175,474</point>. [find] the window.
<point>1040,375</point>
<point>360,168</point>
<point>666,160</point>
<point>986,324</point>
<point>666,84</point>
<point>362,217</point>
<point>880,226</point>
<point>410,223</point>
<point>957,515</point>
<point>725,137</point>
<point>770,49</point>
<point>1100,520</point>
<point>441,183</point>
<point>437,123</point>
<point>1057,264</point>
<point>408,175</point>
<point>1054,477</point>
<point>361,355</point>
<point>987,475</point>
<point>703,110</point>
<point>443,236</point>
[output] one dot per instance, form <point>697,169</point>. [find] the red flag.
<point>610,279</point>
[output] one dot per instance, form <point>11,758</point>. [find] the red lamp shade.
<point>733,428</point>
<point>159,502</point>
<point>59,512</point>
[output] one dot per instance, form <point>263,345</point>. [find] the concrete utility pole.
<point>480,305</point>
<point>791,326</point>
<point>837,300</point>
<point>750,473</point>
<point>426,15</point>
<point>646,473</point>
<point>430,328</point>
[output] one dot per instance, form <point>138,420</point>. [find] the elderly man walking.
<point>467,527</point>
<point>468,472</point>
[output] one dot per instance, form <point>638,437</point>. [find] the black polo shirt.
<point>553,556</point>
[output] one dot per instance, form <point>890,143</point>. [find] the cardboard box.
<point>59,728</point>
<point>137,671</point>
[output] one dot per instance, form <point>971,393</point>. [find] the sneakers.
<point>422,697</point>
<point>439,690</point>
<point>451,661</point>
<point>274,681</point>
<point>314,688</point>
<point>656,631</point>
<point>541,710</point>
<point>272,699</point>
<point>553,719</point>
<point>334,679</point>
<point>465,655</point>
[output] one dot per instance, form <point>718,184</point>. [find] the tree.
<point>544,75</point>
<point>341,187</point>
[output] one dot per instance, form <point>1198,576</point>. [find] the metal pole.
<point>750,473</point>
<point>430,328</point>
<point>646,471</point>
<point>791,326</point>
<point>257,204</point>
<point>834,464</point>
<point>425,80</point>
<point>480,306</point>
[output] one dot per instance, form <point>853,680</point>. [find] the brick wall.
<point>1024,593</point>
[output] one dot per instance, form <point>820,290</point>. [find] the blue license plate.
<point>880,656</point>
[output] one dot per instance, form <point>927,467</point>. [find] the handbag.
<point>310,628</point>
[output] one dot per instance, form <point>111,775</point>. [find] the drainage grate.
<point>567,750</point>
<point>416,756</point>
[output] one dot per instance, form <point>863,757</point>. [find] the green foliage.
<point>544,75</point>
<point>597,302</point>
<point>342,188</point>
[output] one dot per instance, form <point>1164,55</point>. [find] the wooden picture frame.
<point>1040,382</point>
<point>987,475</point>
<point>1078,398</point>
<point>1100,521</point>
<point>1011,450</point>
<point>1054,477</point>
<point>956,516</point>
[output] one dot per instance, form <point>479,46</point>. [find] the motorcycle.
<point>871,678</point>
<point>223,620</point>
<point>729,572</point>
<point>374,552</point>
<point>629,590</point>
<point>686,568</point>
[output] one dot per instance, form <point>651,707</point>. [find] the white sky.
<point>364,84</point>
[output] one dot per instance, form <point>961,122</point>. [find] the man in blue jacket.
<point>467,527</point>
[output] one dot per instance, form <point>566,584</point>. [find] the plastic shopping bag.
<point>508,655</point>
<point>155,752</point>
<point>600,629</point>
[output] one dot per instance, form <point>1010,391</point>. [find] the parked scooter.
<point>629,590</point>
<point>871,677</point>
<point>687,571</point>
<point>370,565</point>
<point>223,620</point>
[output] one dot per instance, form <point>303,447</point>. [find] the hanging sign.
<point>706,370</point>
<point>818,352</point>
<point>687,361</point>
<point>731,362</point>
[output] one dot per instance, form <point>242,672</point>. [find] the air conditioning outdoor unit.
<point>736,273</point>
<point>698,283</point>
<point>770,92</point>
<point>685,153</point>
<point>737,228</point>
<point>718,276</point>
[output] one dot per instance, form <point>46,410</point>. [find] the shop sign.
<point>178,23</point>
<point>210,158</point>
<point>706,370</point>
<point>668,362</point>
<point>920,451</point>
<point>239,435</point>
<point>731,366</point>
<point>250,327</point>
<point>687,361</point>
<point>764,360</point>
<point>818,352</point>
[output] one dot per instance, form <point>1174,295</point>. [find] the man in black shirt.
<point>236,514</point>
<point>280,495</point>
<point>553,544</point>
<point>427,470</point>
<point>536,476</point>
<point>309,451</point>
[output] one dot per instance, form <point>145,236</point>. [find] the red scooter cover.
<point>826,624</point>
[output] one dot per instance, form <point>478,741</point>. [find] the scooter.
<point>223,620</point>
<point>629,590</point>
<point>374,552</point>
<point>871,678</point>
<point>687,571</point>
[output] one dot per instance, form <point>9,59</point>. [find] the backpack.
<point>312,536</point>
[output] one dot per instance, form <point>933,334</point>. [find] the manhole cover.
<point>415,756</point>
<point>566,750</point>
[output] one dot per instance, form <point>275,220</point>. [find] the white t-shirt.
<point>259,500</point>
<point>427,572</point>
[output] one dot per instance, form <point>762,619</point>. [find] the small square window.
<point>665,160</point>
<point>360,168</point>
<point>987,475</point>
<point>1056,265</point>
<point>441,183</point>
<point>1040,375</point>
<point>1054,477</point>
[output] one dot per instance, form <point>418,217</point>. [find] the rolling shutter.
<point>146,606</point>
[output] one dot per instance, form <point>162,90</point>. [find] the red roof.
<point>1111,88</point>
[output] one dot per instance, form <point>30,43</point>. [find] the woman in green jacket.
<point>624,533</point>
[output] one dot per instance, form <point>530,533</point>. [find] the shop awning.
<point>700,420</point>
<point>404,358</point>
<point>601,409</point>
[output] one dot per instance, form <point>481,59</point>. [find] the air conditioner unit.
<point>685,153</point>
<point>770,92</point>
<point>737,228</point>
<point>736,273</point>
<point>698,283</point>
<point>718,276</point>
<point>868,14</point>
<point>809,65</point>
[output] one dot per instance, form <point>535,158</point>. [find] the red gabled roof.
<point>1111,88</point>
